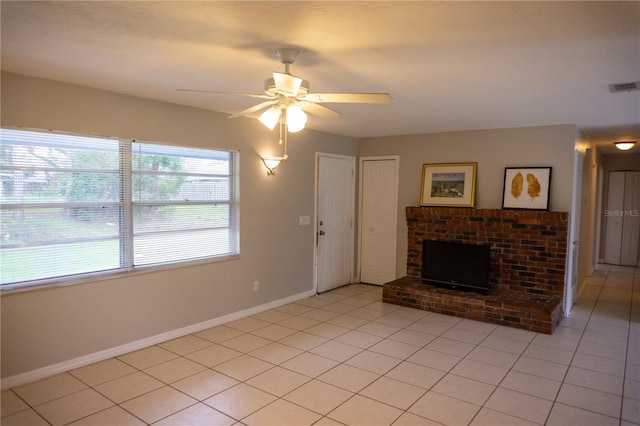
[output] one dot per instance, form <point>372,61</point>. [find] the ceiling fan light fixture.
<point>296,118</point>
<point>625,145</point>
<point>287,101</point>
<point>270,117</point>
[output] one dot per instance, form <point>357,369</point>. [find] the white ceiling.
<point>448,65</point>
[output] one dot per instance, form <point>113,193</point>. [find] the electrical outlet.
<point>256,286</point>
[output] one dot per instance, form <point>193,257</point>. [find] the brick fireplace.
<point>528,255</point>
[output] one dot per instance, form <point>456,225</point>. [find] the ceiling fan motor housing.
<point>270,88</point>
<point>287,55</point>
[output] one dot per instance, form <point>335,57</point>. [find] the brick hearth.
<point>528,254</point>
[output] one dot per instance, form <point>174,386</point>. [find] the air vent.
<point>625,87</point>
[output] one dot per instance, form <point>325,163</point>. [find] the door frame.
<point>315,214</point>
<point>361,161</point>
<point>572,285</point>
<point>598,253</point>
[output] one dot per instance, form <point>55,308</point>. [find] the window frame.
<point>126,205</point>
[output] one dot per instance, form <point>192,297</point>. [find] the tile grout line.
<point>564,376</point>
<point>626,355</point>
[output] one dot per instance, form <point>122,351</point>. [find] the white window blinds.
<point>74,205</point>
<point>183,204</point>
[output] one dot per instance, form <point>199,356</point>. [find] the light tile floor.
<point>344,357</point>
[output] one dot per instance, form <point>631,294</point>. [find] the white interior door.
<point>378,220</point>
<point>630,220</point>
<point>614,218</point>
<point>335,214</point>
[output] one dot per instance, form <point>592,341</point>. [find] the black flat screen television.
<point>456,265</point>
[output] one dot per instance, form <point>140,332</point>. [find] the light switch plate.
<point>304,220</point>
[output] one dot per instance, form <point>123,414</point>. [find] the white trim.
<point>50,370</point>
<point>396,158</point>
<point>573,240</point>
<point>599,212</point>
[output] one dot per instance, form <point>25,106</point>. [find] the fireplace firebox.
<point>456,265</point>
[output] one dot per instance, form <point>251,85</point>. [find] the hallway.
<point>606,362</point>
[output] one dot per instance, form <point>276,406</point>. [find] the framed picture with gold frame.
<point>526,188</point>
<point>448,185</point>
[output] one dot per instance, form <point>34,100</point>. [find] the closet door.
<point>613,214</point>
<point>630,220</point>
<point>622,244</point>
<point>378,220</point>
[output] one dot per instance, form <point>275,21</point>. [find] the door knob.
<point>321,233</point>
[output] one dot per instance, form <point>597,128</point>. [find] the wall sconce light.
<point>271,163</point>
<point>625,145</point>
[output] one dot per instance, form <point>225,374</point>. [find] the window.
<point>73,205</point>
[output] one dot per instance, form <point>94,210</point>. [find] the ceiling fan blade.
<point>356,98</point>
<point>252,95</point>
<point>287,84</point>
<point>318,110</point>
<point>253,109</point>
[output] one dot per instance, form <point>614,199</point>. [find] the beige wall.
<point>49,326</point>
<point>493,150</point>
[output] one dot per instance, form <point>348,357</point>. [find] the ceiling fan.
<point>288,98</point>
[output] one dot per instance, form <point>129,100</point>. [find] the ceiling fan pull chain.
<point>283,130</point>
<point>286,139</point>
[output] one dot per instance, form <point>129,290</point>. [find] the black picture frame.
<point>526,188</point>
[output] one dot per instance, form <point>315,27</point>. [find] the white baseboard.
<point>61,367</point>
